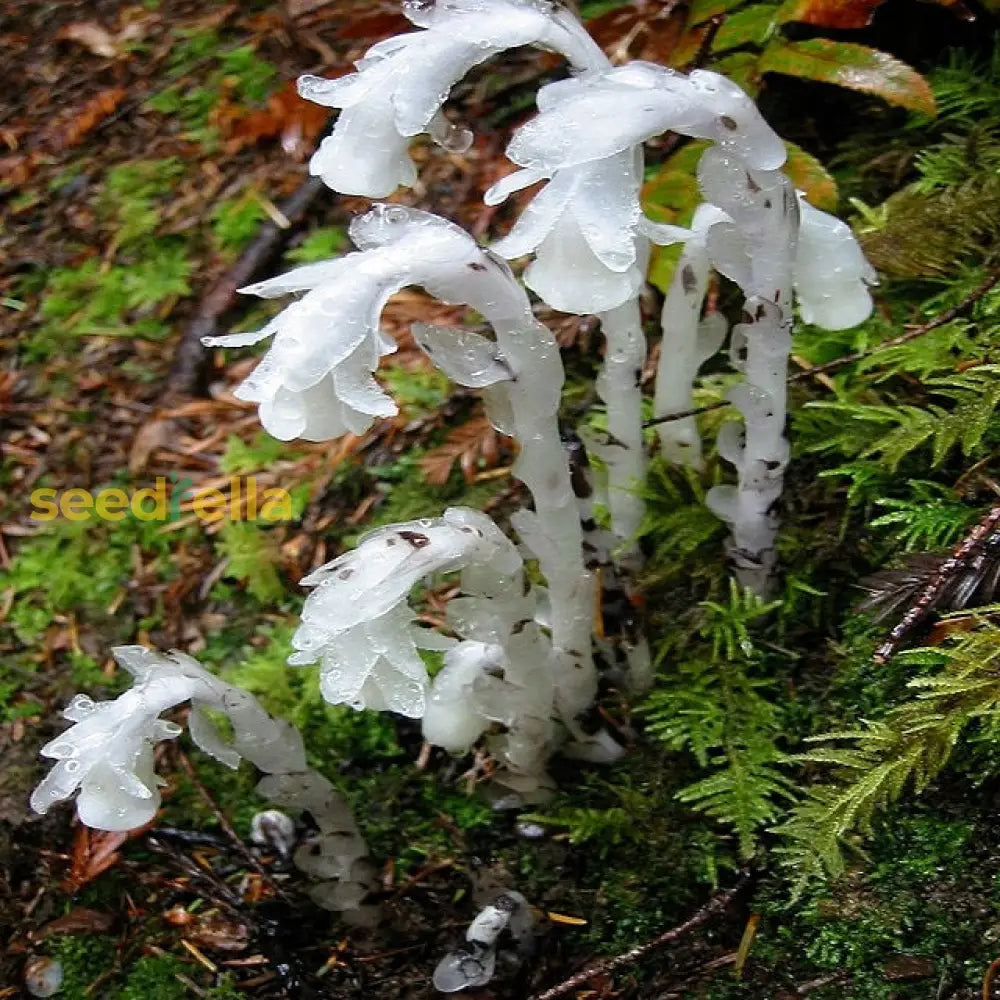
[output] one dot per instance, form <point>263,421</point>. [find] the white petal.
<point>300,279</point>
<point>831,273</point>
<point>606,206</point>
<point>206,737</point>
<point>537,220</point>
<point>600,122</point>
<point>465,357</point>
<point>365,155</point>
<point>425,78</point>
<point>506,186</point>
<point>737,125</point>
<point>358,390</point>
<point>569,277</point>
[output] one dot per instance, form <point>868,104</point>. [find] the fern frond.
<point>907,749</point>
<point>867,429</point>
<point>712,708</point>
<point>930,518</point>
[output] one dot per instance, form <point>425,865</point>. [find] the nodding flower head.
<point>586,227</point>
<point>357,624</point>
<point>402,82</point>
<point>108,753</point>
<point>316,380</point>
<point>832,275</point>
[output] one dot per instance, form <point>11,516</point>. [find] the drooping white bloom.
<point>583,228</point>
<point>601,113</point>
<point>356,623</point>
<point>586,227</point>
<point>473,963</point>
<point>832,275</point>
<point>108,753</point>
<point>316,380</point>
<point>402,83</point>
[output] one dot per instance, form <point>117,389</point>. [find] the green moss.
<point>85,959</point>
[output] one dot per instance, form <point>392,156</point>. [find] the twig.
<point>918,331</point>
<point>187,374</point>
<point>227,827</point>
<point>682,414</point>
<point>928,597</point>
<point>839,978</point>
<point>715,905</point>
<point>988,979</point>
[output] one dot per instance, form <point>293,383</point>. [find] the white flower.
<point>402,83</point>
<point>586,226</point>
<point>583,228</point>
<point>601,113</point>
<point>316,380</point>
<point>831,273</point>
<point>357,624</point>
<point>108,753</point>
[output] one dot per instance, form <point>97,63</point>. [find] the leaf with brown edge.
<point>830,13</point>
<point>811,177</point>
<point>856,67</point>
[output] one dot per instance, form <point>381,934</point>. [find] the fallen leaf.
<point>466,444</point>
<point>296,8</point>
<point>80,920</point>
<point>94,851</point>
<point>297,121</point>
<point>153,434</point>
<point>219,934</point>
<point>92,37</point>
<point>71,128</point>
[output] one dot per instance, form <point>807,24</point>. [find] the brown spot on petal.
<point>415,538</point>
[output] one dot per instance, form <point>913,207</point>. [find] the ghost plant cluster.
<point>519,665</point>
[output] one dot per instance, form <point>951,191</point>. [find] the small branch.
<point>187,375</point>
<point>714,906</point>
<point>227,827</point>
<point>927,599</point>
<point>946,317</point>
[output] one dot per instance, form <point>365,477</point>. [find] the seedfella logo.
<point>166,500</point>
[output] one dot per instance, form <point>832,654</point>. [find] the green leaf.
<point>810,176</point>
<point>320,244</point>
<point>743,68</point>
<point>751,26</point>
<point>703,10</point>
<point>856,67</point>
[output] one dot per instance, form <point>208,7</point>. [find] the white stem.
<point>618,387</point>
<point>542,465</point>
<point>680,441</point>
<point>761,346</point>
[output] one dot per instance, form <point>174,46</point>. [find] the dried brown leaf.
<point>219,934</point>
<point>80,920</point>
<point>297,121</point>
<point>471,444</point>
<point>71,128</point>
<point>153,434</point>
